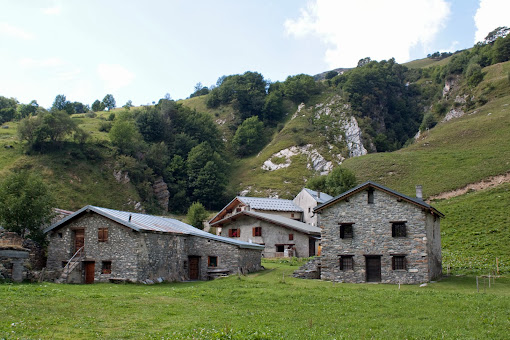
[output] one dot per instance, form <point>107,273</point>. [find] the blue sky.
<point>140,51</point>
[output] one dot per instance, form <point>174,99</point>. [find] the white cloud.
<point>371,28</point>
<point>490,15</point>
<point>49,62</point>
<point>114,76</point>
<point>14,32</point>
<point>55,10</point>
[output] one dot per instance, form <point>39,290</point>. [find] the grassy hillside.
<point>265,305</point>
<point>475,231</point>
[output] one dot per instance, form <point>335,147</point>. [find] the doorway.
<point>373,268</point>
<point>311,246</point>
<point>79,239</point>
<point>194,267</point>
<point>90,268</point>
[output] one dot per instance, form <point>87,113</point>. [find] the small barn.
<point>280,236</point>
<point>372,233</point>
<point>96,244</point>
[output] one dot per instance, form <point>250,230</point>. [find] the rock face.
<point>121,176</point>
<point>315,160</point>
<point>161,192</point>
<point>353,138</point>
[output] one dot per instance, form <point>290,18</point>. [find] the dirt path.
<point>486,183</point>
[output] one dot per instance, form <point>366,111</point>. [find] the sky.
<point>140,51</point>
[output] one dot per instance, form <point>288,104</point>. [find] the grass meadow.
<point>266,305</point>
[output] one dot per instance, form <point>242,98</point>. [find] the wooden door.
<point>194,267</point>
<point>89,272</point>
<point>311,246</point>
<point>373,264</point>
<point>79,239</point>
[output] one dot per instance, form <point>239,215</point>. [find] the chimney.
<point>419,194</point>
<point>129,217</point>
<point>318,194</point>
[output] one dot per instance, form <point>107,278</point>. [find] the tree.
<point>26,204</point>
<point>7,109</point>
<point>128,105</point>
<point>62,104</point>
<point>331,74</point>
<point>299,88</point>
<point>25,110</point>
<point>339,181</point>
<point>197,215</point>
<point>247,139</point>
<point>109,102</point>
<point>97,106</point>
<point>125,135</point>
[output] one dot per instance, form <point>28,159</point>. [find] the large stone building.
<point>99,245</point>
<point>280,236</point>
<point>374,234</point>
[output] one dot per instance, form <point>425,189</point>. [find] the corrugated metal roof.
<point>142,222</point>
<point>274,204</point>
<point>323,196</point>
<point>367,184</point>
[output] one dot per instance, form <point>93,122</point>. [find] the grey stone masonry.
<point>419,249</point>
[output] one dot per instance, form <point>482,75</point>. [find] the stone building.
<point>276,206</point>
<point>374,234</point>
<point>280,236</point>
<point>308,199</point>
<point>99,245</point>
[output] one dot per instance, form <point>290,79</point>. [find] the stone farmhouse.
<point>374,234</point>
<point>103,245</point>
<point>308,199</point>
<point>280,236</point>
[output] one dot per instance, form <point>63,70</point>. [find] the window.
<point>234,233</point>
<point>398,229</point>
<point>60,235</point>
<point>291,237</point>
<point>212,261</point>
<point>280,248</point>
<point>102,235</point>
<point>238,209</point>
<point>398,262</point>
<point>292,215</point>
<point>346,262</point>
<point>370,196</point>
<point>257,231</point>
<point>309,210</point>
<point>346,230</point>
<point>106,268</point>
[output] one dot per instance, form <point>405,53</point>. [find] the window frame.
<point>346,230</point>
<point>370,196</point>
<point>291,237</point>
<point>346,262</point>
<point>237,232</point>
<point>398,262</point>
<point>212,261</point>
<point>256,231</point>
<point>102,234</point>
<point>106,267</point>
<point>398,229</point>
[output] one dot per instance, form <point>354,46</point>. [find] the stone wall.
<point>161,255</point>
<point>372,230</point>
<point>12,264</point>
<point>271,236</point>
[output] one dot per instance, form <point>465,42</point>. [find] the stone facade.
<point>140,255</point>
<point>372,239</point>
<point>278,240</point>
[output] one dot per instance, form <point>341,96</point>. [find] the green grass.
<point>265,305</point>
<point>427,62</point>
<point>476,231</point>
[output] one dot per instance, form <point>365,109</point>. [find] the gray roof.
<point>149,223</point>
<point>274,204</point>
<point>323,196</point>
<point>367,184</point>
<point>275,219</point>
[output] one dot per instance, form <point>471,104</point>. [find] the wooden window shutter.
<point>230,233</point>
<point>253,233</point>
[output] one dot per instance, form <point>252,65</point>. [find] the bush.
<point>429,121</point>
<point>91,114</point>
<point>197,215</point>
<point>105,126</point>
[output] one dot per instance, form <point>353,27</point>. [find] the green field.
<point>265,305</point>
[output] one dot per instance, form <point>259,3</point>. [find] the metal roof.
<point>374,185</point>
<point>323,196</point>
<point>150,223</point>
<point>273,204</point>
<point>275,219</point>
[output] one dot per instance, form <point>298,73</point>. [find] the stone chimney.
<point>318,194</point>
<point>419,193</point>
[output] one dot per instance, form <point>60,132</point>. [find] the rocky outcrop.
<point>121,176</point>
<point>453,113</point>
<point>315,160</point>
<point>353,138</point>
<point>161,192</point>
